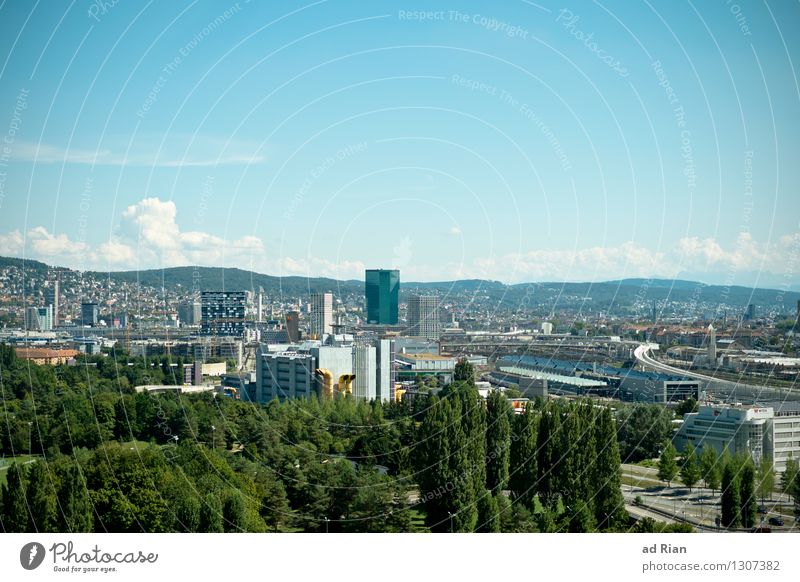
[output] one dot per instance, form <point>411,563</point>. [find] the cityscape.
<point>368,268</point>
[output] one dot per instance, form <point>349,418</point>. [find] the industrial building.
<point>624,383</point>
<point>770,430</point>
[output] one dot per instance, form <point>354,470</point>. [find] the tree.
<point>789,477</point>
<point>765,480</point>
<point>464,372</point>
<point>667,465</point>
<point>42,496</point>
<point>710,468</point>
<point>14,514</point>
<point>76,513</point>
<point>211,515</point>
<point>233,512</point>
<point>687,406</point>
<point>498,441</point>
<point>747,494</point>
<point>187,513</point>
<point>488,518</point>
<point>522,462</point>
<point>731,506</point>
<point>690,470</point>
<point>609,505</point>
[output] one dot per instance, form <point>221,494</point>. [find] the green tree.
<point>464,372</point>
<point>789,477</point>
<point>731,505</point>
<point>747,494</point>
<point>765,479</point>
<point>609,505</point>
<point>187,513</point>
<point>522,460</point>
<point>488,518</point>
<point>15,517</point>
<point>211,514</point>
<point>690,469</point>
<point>76,515</point>
<point>667,464</point>
<point>548,452</point>
<point>234,512</point>
<point>710,468</point>
<point>498,441</point>
<point>42,496</point>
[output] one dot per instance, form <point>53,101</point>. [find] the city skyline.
<point>515,143</point>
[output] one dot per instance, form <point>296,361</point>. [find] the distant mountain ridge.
<point>600,295</point>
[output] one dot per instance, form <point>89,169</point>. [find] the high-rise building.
<point>89,314</point>
<point>190,313</point>
<point>321,315</point>
<point>423,316</point>
<point>750,314</point>
<point>365,385</point>
<point>712,344</point>
<point>385,374</point>
<point>222,312</point>
<point>382,291</point>
<point>39,318</point>
<point>51,299</point>
<point>293,326</point>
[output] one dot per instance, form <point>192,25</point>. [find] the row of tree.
<point>558,462</point>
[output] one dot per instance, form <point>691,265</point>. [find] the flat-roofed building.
<point>770,430</point>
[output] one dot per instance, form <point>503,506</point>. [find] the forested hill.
<point>625,292</point>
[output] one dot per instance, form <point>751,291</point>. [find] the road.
<point>727,389</point>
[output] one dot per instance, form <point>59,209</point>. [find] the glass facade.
<point>382,291</point>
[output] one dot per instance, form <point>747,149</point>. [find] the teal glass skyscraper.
<point>382,290</point>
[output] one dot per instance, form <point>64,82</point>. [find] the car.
<point>775,521</point>
<point>762,509</point>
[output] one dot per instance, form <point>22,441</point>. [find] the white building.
<point>321,315</point>
<point>365,385</point>
<point>770,431</point>
<point>423,316</point>
<point>39,318</point>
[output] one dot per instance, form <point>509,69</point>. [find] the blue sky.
<point>515,141</point>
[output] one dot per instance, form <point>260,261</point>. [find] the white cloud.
<point>149,236</point>
<point>454,231</point>
<point>12,244</point>
<point>196,152</point>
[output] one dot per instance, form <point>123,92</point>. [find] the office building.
<point>321,315</point>
<point>190,313</point>
<point>423,316</point>
<point>51,296</point>
<point>284,375</point>
<point>39,318</point>
<point>382,291</point>
<point>89,314</point>
<point>712,344</point>
<point>222,313</point>
<point>293,326</point>
<point>385,374</point>
<point>750,314</point>
<point>765,431</point>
